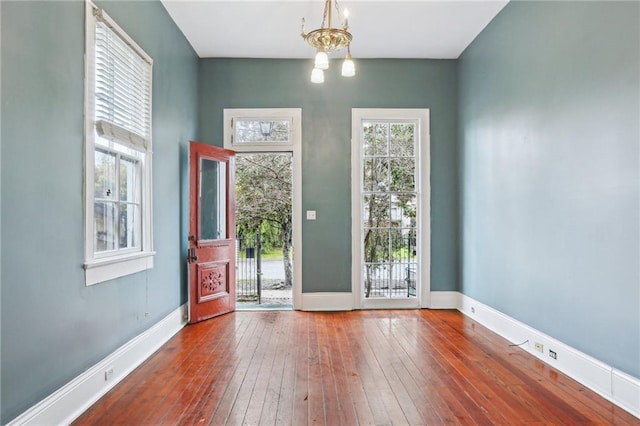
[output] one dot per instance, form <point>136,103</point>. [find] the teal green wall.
<point>549,150</point>
<point>326,145</point>
<point>53,327</point>
<point>534,155</point>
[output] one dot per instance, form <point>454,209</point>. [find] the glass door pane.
<point>212,200</point>
<point>389,203</point>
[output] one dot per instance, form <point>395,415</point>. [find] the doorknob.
<point>191,255</point>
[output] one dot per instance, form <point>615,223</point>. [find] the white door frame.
<point>294,146</point>
<point>423,280</point>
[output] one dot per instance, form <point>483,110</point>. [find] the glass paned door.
<point>211,252</point>
<point>389,200</point>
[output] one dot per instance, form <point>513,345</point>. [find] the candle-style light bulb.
<point>346,19</point>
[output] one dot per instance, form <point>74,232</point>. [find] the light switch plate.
<point>311,215</point>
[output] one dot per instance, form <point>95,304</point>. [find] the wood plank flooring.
<point>402,367</point>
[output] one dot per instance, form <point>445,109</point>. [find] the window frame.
<point>107,265</point>
<point>232,115</point>
<point>423,190</point>
<point>294,146</point>
<point>117,200</point>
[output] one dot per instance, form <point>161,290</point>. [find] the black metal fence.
<point>249,269</point>
<point>394,277</point>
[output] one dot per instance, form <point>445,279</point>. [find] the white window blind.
<point>120,134</point>
<point>122,86</point>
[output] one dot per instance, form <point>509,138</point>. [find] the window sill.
<point>100,270</point>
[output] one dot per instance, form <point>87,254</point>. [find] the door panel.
<point>211,254</point>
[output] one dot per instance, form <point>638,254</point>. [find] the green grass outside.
<point>273,254</point>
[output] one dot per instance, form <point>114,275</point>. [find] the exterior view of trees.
<point>389,202</point>
<point>264,204</point>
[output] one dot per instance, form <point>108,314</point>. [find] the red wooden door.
<point>212,249</point>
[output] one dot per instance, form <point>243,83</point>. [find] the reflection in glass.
<point>104,175</point>
<point>127,179</point>
<point>262,130</point>
<point>104,217</point>
<point>213,201</point>
<point>128,219</point>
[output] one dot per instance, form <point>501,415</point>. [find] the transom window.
<point>271,128</point>
<point>261,130</point>
<point>118,235</point>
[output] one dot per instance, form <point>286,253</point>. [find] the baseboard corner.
<point>619,388</point>
<point>327,301</point>
<point>444,300</point>
<point>70,401</point>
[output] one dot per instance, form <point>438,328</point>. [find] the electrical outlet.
<point>553,354</point>
<point>473,310</point>
<point>539,347</point>
<point>108,374</point>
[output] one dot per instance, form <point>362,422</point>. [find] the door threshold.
<point>264,307</point>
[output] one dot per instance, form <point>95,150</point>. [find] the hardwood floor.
<point>364,367</point>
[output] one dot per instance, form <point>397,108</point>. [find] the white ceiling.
<point>381,29</point>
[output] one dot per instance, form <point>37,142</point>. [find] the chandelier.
<point>327,39</point>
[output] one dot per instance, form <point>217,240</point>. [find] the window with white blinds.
<point>122,87</point>
<point>118,234</point>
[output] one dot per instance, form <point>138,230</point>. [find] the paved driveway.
<point>273,269</point>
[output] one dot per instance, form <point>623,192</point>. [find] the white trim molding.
<point>613,385</point>
<point>327,302</point>
<point>70,401</point>
<point>345,302</point>
<point>444,300</point>
<point>421,118</point>
<point>107,264</point>
<point>110,268</point>
<point>295,148</point>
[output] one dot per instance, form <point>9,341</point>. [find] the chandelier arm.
<point>327,7</point>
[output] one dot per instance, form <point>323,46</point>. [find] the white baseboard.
<point>327,301</point>
<point>616,386</point>
<point>345,302</point>
<point>67,403</point>
<point>626,392</point>
<point>444,300</point>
